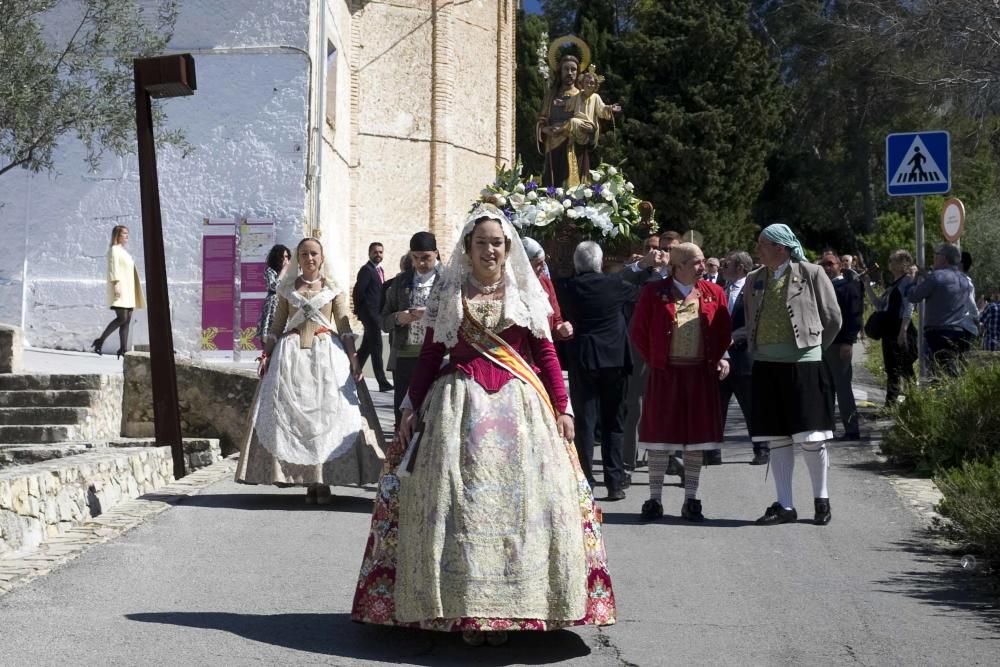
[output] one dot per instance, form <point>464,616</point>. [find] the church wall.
<point>247,122</point>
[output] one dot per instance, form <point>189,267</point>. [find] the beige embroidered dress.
<point>306,425</point>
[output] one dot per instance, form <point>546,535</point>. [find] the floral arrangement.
<point>605,207</point>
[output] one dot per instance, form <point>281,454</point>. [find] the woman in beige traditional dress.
<point>306,426</point>
<point>124,290</point>
<point>489,525</point>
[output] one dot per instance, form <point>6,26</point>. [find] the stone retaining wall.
<point>46,499</point>
<point>11,349</point>
<point>214,401</point>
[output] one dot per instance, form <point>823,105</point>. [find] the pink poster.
<point>256,236</point>
<point>218,282</point>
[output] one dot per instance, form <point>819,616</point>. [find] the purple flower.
<point>550,191</point>
<point>531,186</point>
<point>579,202</point>
<point>597,188</point>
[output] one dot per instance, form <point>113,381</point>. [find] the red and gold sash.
<point>500,352</point>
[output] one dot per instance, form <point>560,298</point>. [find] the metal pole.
<point>166,415</point>
<point>921,266</point>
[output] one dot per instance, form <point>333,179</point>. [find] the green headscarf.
<point>782,235</point>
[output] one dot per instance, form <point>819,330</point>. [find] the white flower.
<point>501,200</point>
<point>532,196</point>
<point>612,171</point>
<point>596,176</point>
<point>567,203</point>
<point>588,193</point>
<point>574,212</point>
<point>516,200</point>
<point>607,194</point>
<point>519,188</point>
<point>559,192</point>
<point>629,186</point>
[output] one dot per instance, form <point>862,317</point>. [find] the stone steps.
<point>37,433</point>
<point>19,382</point>
<point>35,398</point>
<point>27,416</point>
<point>11,455</point>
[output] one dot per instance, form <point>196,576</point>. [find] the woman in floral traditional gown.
<point>306,426</point>
<point>484,521</point>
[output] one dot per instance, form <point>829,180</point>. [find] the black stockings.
<point>122,322</point>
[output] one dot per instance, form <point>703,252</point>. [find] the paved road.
<point>247,576</point>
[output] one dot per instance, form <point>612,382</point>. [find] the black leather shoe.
<point>761,457</point>
<point>615,494</point>
<point>651,510</point>
<point>823,515</point>
<point>96,346</point>
<point>713,457</point>
<point>777,514</point>
<point>691,511</point>
<point>628,481</point>
<point>385,387</point>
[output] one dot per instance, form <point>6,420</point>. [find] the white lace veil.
<point>525,301</point>
<point>287,284</point>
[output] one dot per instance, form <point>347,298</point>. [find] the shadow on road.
<point>632,518</point>
<point>336,634</point>
<point>945,584</point>
<point>284,502</point>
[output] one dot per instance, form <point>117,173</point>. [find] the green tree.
<point>531,49</point>
<point>704,111</point>
<point>74,76</point>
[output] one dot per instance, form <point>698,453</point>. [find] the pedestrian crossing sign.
<point>917,163</point>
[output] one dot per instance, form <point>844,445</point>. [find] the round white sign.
<point>953,219</point>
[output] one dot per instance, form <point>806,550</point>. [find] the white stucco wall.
<point>247,123</point>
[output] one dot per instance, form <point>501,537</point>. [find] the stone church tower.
<point>353,120</point>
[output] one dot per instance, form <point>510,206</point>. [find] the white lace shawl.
<point>525,301</point>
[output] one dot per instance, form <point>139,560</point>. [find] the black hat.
<point>422,242</point>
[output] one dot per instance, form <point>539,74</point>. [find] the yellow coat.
<point>121,269</point>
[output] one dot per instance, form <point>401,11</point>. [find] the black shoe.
<point>96,346</point>
<point>848,437</point>
<point>615,493</point>
<point>823,515</point>
<point>652,510</point>
<point>713,457</point>
<point>385,387</point>
<point>691,510</point>
<point>761,457</point>
<point>628,481</point>
<point>777,514</point>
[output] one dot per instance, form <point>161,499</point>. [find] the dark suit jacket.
<point>740,360</point>
<point>639,278</point>
<point>719,280</point>
<point>368,294</point>
<point>595,303</point>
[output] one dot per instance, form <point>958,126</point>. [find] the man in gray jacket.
<point>792,316</point>
<point>950,301</point>
<point>403,312</point>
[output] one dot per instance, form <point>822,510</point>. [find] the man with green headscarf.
<point>792,316</point>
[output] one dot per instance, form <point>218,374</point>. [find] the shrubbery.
<point>972,502</point>
<point>942,425</point>
<point>951,429</point>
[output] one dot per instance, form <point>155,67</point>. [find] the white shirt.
<point>733,291</point>
<point>662,270</point>
<point>682,288</point>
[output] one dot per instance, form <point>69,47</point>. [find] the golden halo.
<point>568,39</point>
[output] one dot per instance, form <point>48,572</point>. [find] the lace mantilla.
<point>525,301</point>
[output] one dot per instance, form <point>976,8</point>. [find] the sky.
<point>533,6</point>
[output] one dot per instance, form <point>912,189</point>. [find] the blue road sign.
<point>917,163</point>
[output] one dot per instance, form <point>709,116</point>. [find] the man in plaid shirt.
<point>990,321</point>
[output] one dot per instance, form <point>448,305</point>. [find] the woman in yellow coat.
<point>124,290</point>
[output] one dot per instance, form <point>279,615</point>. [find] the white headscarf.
<point>292,273</point>
<point>525,302</point>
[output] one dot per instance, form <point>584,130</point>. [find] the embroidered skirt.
<point>494,529</point>
<point>681,409</point>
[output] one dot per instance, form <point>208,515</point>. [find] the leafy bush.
<point>972,502</point>
<point>944,424</point>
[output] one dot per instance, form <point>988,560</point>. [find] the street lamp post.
<point>166,76</point>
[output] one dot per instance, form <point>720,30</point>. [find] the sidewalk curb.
<point>56,551</point>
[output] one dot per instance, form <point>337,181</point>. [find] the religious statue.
<point>569,124</point>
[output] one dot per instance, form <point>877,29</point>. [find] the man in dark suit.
<point>600,361</point>
<point>368,307</point>
<point>713,273</point>
<point>735,268</point>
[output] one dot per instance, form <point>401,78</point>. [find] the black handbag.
<point>875,325</point>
